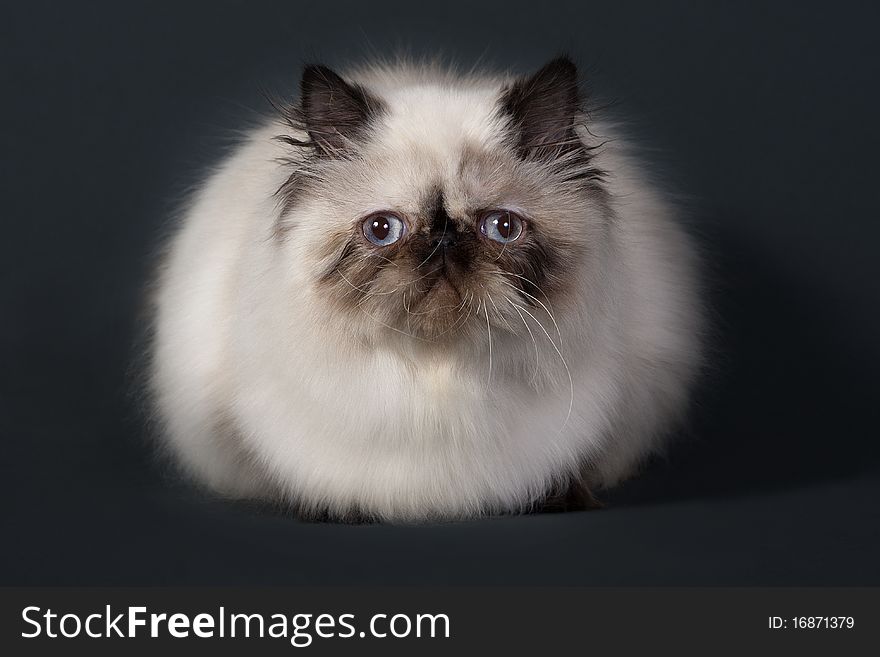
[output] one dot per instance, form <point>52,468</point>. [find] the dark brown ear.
<point>543,108</point>
<point>335,113</point>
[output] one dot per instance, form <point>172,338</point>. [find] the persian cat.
<point>419,295</point>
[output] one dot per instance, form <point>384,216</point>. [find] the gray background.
<point>764,117</point>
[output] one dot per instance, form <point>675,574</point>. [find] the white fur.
<point>327,418</point>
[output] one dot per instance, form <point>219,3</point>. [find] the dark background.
<point>765,116</point>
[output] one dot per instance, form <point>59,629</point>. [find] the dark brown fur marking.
<point>577,497</point>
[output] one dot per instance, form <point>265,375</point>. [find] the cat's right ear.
<point>335,113</point>
<point>543,108</point>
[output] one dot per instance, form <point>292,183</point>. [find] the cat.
<point>417,295</point>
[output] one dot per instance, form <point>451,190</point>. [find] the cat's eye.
<point>383,228</point>
<point>502,226</point>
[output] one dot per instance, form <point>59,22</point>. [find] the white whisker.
<point>388,326</point>
<point>531,282</point>
<point>439,242</point>
<point>489,329</point>
<point>381,257</point>
<point>532,336</point>
<point>363,290</point>
<point>564,364</point>
<point>546,309</point>
<point>506,323</point>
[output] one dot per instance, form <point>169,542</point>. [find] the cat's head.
<point>431,205</point>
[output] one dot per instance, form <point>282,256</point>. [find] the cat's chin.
<point>443,296</point>
<point>440,313</point>
<point>443,326</point>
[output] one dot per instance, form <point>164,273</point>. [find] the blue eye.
<point>502,226</point>
<point>383,228</point>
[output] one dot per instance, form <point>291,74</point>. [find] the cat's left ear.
<point>335,113</point>
<point>543,108</point>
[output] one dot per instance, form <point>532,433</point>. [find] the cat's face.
<point>443,211</point>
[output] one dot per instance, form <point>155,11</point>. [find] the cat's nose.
<point>444,241</point>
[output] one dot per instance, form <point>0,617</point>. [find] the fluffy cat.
<point>418,295</point>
